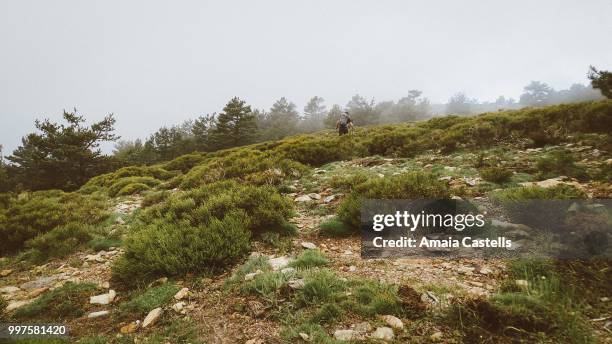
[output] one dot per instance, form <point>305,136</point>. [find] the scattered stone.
<point>120,221</point>
<point>97,314</point>
<point>103,299</point>
<point>9,289</point>
<point>319,171</point>
<point>303,198</point>
<point>604,299</point>
<point>445,178</point>
<point>485,271</point>
<point>393,321</point>
<point>181,294</point>
<point>384,333</point>
<point>436,336</point>
<point>178,307</point>
<point>314,196</point>
<point>279,263</point>
<point>330,198</point>
<point>256,308</point>
<point>152,317</point>
<point>309,245</point>
<point>352,268</point>
<point>345,335</point>
<point>380,175</point>
<point>105,285</point>
<point>5,273</point>
<point>129,328</point>
<point>17,304</point>
<point>450,168</point>
<point>304,336</point>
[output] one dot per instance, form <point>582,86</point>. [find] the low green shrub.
<point>154,197</point>
<point>251,265</point>
<point>321,286</point>
<point>559,163</point>
<point>333,227</point>
<point>174,248</point>
<point>131,185</point>
<point>66,302</point>
<point>33,214</point>
<point>412,185</point>
<point>309,259</point>
<point>524,204</point>
<point>267,210</point>
<point>149,299</point>
<point>498,175</point>
<point>266,285</point>
<point>377,298</point>
<point>59,242</point>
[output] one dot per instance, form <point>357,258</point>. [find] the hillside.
<point>260,244</point>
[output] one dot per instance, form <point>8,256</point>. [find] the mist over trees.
<point>65,156</point>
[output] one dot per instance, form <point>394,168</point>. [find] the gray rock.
<point>279,263</point>
<point>178,307</point>
<point>303,198</point>
<point>308,245</point>
<point>288,271</point>
<point>383,333</point>
<point>43,282</point>
<point>314,196</point>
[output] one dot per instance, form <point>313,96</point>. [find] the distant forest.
<point>65,156</point>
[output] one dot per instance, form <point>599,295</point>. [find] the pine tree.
<point>235,126</point>
<point>280,121</point>
<point>63,156</point>
<point>314,114</point>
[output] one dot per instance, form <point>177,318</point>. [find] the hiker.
<point>344,124</point>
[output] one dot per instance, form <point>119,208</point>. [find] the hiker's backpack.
<point>344,120</point>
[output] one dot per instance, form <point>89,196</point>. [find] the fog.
<point>156,63</point>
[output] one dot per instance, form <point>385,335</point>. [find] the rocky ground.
<point>218,315</point>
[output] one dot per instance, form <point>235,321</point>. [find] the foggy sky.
<point>155,63</point>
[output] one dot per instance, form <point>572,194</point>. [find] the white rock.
<point>17,304</point>
<point>303,198</point>
<point>304,336</point>
<point>309,245</point>
<point>314,196</point>
<point>181,294</point>
<point>105,285</point>
<point>9,289</point>
<point>152,317</point>
<point>352,268</point>
<point>97,314</point>
<point>436,336</point>
<point>279,263</point>
<point>103,299</point>
<point>345,335</point>
<point>393,321</point>
<point>384,333</point>
<point>178,307</point>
